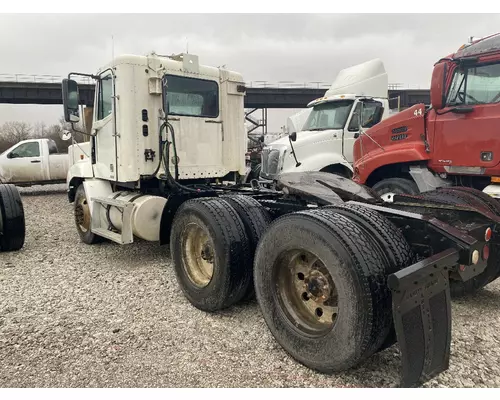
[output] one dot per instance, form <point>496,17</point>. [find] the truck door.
<point>466,143</point>
<point>104,128</point>
<point>193,108</point>
<point>24,163</point>
<point>372,114</point>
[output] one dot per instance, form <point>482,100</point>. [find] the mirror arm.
<point>79,131</point>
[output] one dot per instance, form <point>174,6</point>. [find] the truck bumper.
<point>422,316</point>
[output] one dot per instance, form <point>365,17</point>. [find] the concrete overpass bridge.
<point>260,95</point>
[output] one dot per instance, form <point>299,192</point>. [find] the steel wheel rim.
<point>82,214</point>
<point>306,292</point>
<point>198,254</point>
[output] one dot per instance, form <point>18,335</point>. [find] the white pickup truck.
<point>323,134</point>
<point>33,162</point>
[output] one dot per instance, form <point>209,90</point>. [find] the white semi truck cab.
<point>324,133</point>
<point>158,123</point>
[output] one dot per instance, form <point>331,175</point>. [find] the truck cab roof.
<point>336,97</point>
<point>481,47</point>
<point>182,63</point>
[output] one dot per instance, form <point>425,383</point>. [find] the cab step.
<point>126,236</point>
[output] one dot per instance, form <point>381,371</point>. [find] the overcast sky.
<point>265,47</point>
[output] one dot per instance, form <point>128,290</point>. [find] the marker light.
<point>487,234</point>
<point>475,257</point>
<point>486,252</point>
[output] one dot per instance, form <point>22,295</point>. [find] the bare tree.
<point>39,130</point>
<point>15,131</point>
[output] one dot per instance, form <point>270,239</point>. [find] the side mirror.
<point>12,155</point>
<point>65,135</point>
<point>438,84</point>
<point>71,100</point>
<point>293,136</point>
<point>261,139</point>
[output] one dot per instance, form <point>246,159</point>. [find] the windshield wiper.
<point>317,129</point>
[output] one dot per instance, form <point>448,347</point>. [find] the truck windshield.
<point>332,115</point>
<point>475,85</point>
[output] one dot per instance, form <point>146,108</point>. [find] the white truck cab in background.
<point>325,132</point>
<point>33,162</point>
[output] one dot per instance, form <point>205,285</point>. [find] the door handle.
<point>35,161</point>
<point>335,135</point>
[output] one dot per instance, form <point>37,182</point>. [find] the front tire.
<point>83,218</point>
<point>392,186</point>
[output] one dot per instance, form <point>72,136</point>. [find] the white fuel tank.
<point>146,215</point>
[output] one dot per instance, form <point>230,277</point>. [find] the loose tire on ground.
<point>211,253</point>
<point>83,218</point>
<point>12,222</point>
<point>256,219</point>
<point>395,186</point>
<point>468,198</point>
<point>341,270</point>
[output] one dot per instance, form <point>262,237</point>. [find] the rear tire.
<point>211,253</point>
<point>12,222</point>
<point>389,237</point>
<point>256,220</point>
<point>344,267</point>
<point>395,186</point>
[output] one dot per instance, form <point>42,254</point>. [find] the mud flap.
<point>422,317</point>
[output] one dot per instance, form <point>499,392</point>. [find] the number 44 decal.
<point>418,112</point>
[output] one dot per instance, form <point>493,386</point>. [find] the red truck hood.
<point>405,127</point>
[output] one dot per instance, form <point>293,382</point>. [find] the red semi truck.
<point>455,142</point>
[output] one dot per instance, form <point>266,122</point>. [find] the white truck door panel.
<point>24,163</point>
<point>371,115</point>
<point>104,129</point>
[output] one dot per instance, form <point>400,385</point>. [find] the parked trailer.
<point>12,224</point>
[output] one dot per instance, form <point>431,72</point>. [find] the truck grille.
<point>270,161</point>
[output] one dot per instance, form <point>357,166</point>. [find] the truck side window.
<point>478,84</point>
<point>192,97</point>
<point>105,100</point>
<point>372,114</point>
<point>30,149</point>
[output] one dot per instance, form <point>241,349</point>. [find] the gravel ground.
<point>73,315</point>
